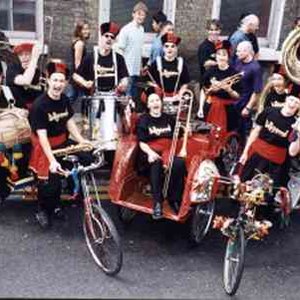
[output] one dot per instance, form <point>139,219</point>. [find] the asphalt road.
<point>158,261</point>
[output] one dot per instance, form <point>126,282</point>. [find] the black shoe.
<point>175,206</point>
<point>157,211</point>
<point>43,219</point>
<point>59,214</point>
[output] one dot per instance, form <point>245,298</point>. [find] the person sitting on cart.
<point>155,132</point>
<point>51,123</point>
<point>267,146</point>
<point>219,107</point>
<point>170,71</point>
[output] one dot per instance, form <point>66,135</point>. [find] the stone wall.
<point>190,22</point>
<point>66,13</point>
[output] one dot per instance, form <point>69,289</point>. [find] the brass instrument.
<point>186,101</point>
<point>290,55</point>
<point>73,149</point>
<point>230,80</point>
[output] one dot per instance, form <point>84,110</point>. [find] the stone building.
<point>28,20</point>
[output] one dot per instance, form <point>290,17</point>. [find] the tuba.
<point>291,55</point>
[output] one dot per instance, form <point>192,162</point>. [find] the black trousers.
<point>176,184</point>
<point>49,191</point>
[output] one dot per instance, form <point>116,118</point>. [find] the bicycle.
<point>100,233</point>
<point>244,227</point>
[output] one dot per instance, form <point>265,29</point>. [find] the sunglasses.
<point>109,36</point>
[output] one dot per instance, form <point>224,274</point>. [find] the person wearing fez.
<point>24,77</point>
<point>51,123</point>
<point>155,132</point>
<point>170,72</point>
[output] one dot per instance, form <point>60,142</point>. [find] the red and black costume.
<point>158,133</point>
<point>268,153</point>
<point>274,99</point>
<point>219,108</point>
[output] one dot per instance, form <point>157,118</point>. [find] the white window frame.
<point>169,8</point>
<point>16,37</point>
<point>269,44</point>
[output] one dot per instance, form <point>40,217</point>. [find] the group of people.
<point>230,79</point>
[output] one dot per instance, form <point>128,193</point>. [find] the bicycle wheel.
<point>103,240</point>
<point>201,220</point>
<point>234,262</point>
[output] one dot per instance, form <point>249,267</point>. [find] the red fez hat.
<point>110,27</point>
<point>225,44</point>
<point>152,89</point>
<point>24,47</point>
<point>279,69</point>
<point>57,66</point>
<point>170,38</point>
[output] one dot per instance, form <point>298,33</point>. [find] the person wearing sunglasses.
<point>111,67</point>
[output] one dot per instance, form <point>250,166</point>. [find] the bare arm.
<point>152,155</point>
<point>73,129</point>
<point>27,76</point>
<point>78,51</point>
<point>252,104</point>
<point>294,148</point>
<point>252,137</point>
<point>82,82</point>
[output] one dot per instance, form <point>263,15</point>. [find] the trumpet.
<point>228,81</point>
<point>73,149</point>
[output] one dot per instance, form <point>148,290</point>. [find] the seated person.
<point>267,146</point>
<point>51,122</point>
<point>154,133</point>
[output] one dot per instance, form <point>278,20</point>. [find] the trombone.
<point>186,101</point>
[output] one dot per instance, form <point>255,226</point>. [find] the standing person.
<point>251,85</point>
<point>78,53</point>
<point>207,50</point>
<point>155,132</point>
<point>104,71</point>
<point>267,147</point>
<point>246,32</point>
<point>51,122</point>
<point>170,72</point>
<point>130,44</point>
<point>24,76</point>
<point>156,48</point>
<point>219,108</point>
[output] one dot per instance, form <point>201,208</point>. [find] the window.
<point>270,13</point>
<point>120,12</point>
<point>22,19</point>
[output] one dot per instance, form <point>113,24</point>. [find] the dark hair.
<point>215,22</point>
<point>166,23</point>
<point>159,17</point>
<point>78,29</point>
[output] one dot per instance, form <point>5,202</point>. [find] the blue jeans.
<point>132,88</point>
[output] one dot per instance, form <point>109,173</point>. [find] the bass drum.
<point>104,120</point>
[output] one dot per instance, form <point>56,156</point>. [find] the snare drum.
<point>104,120</point>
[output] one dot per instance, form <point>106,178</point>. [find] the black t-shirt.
<point>150,128</point>
<point>273,99</point>
<point>215,72</point>
<point>22,95</point>
<point>276,128</point>
<point>84,52</point>
<point>50,114</point>
<point>169,79</point>
<point>206,51</point>
<point>86,70</point>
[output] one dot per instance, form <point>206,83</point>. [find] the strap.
<point>159,69</point>
<point>4,69</point>
<point>179,69</point>
<point>114,57</point>
<point>96,49</point>
<point>8,95</point>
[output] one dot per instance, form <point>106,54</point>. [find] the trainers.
<point>43,219</point>
<point>59,214</point>
<point>157,211</point>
